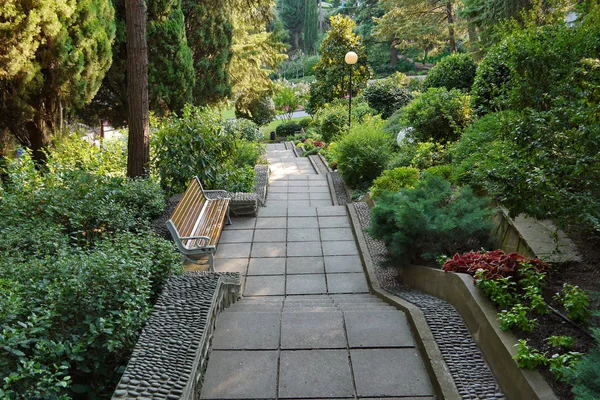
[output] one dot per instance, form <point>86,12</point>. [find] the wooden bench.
<point>197,222</point>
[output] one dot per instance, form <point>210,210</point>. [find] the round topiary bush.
<point>334,121</point>
<point>438,115</point>
<point>288,129</point>
<point>456,71</point>
<point>242,128</point>
<point>386,96</point>
<point>392,180</point>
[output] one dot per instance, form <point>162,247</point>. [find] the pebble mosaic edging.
<point>171,354</point>
<point>469,371</point>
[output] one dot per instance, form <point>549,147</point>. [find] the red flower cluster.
<point>319,144</point>
<point>496,263</point>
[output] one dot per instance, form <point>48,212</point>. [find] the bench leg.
<point>228,217</point>
<point>211,263</point>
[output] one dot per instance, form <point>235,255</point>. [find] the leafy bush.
<point>445,171</point>
<point>430,219</point>
<point>288,129</point>
<point>529,357</point>
<point>241,128</point>
<point>387,95</point>
<point>438,115</point>
<point>239,179</point>
<point>516,317</point>
<point>259,110</point>
<point>394,123</point>
<point>247,153</point>
<point>495,264</point>
<point>334,121</point>
<point>584,378</point>
<point>575,301</point>
<point>420,155</point>
<point>456,71</point>
<point>363,154</point>
<point>393,180</point>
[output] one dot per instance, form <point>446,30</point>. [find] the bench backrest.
<point>188,209</point>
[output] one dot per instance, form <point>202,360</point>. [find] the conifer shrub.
<point>363,154</point>
<point>393,180</point>
<point>430,219</point>
<point>456,71</point>
<point>584,378</point>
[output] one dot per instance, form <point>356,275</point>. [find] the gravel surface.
<point>340,189</point>
<point>471,374</point>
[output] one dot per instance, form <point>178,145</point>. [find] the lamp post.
<point>351,58</point>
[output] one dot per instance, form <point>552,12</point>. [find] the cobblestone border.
<point>170,356</point>
<point>464,360</point>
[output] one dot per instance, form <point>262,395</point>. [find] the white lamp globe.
<point>351,58</point>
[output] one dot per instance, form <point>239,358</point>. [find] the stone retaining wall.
<point>169,359</point>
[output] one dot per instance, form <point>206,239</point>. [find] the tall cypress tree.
<point>311,25</point>
<point>170,72</point>
<point>291,13</point>
<point>209,33</point>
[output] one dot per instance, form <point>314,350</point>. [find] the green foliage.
<point>500,291</point>
<point>420,155</point>
<point>516,317</point>
<point>528,357</point>
<point>311,26</point>
<point>430,219</point>
<point>563,365</point>
<point>386,96</point>
<point>242,128</point>
<point>575,301</point>
<point>289,96</point>
<point>565,342</point>
<point>334,121</point>
<point>331,72</point>
<point>288,128</point>
<point>236,179</point>
<point>586,372</point>
<point>291,13</point>
<point>444,171</point>
<point>54,56</point>
<point>456,71</point>
<point>393,180</point>
<point>209,32</point>
<point>260,110</point>
<point>439,115</point>
<point>363,153</point>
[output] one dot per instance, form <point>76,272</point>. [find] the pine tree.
<point>311,25</point>
<point>53,57</point>
<point>292,15</point>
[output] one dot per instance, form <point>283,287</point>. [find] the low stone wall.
<point>479,315</point>
<point>170,357</point>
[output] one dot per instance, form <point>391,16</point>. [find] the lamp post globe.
<point>350,58</point>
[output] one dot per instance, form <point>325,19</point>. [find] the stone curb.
<point>332,190</point>
<point>324,161</point>
<point>479,316</point>
<point>312,162</point>
<point>442,381</point>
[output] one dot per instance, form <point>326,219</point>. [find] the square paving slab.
<point>302,222</point>
<point>237,236</point>
<point>232,265</point>
<point>299,203</point>
<point>347,283</point>
<point>247,331</point>
<point>312,330</point>
<point>265,286</point>
<point>241,375</point>
<point>272,210</point>
<point>306,284</point>
<point>241,223</point>
<point>268,250</point>
<point>315,374</point>
<point>269,235</point>
<point>302,212</point>
<point>340,248</point>
<point>320,203</point>
<point>334,222</point>
<point>332,211</point>
<point>376,328</point>
<point>267,266</point>
<point>270,223</point>
<point>305,265</point>
<point>304,249</point>
<point>329,234</point>
<point>233,250</point>
<point>343,264</point>
<point>390,372</point>
<point>303,235</point>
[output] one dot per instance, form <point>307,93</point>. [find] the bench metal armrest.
<point>194,237</point>
<point>218,193</point>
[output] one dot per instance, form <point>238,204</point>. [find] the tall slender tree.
<point>138,147</point>
<point>311,26</point>
<point>291,13</point>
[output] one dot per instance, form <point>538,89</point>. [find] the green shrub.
<point>575,301</point>
<point>191,145</point>
<point>393,180</point>
<point>456,71</point>
<point>306,122</point>
<point>363,154</point>
<point>584,378</point>
<point>334,121</point>
<point>288,129</point>
<point>394,123</point>
<point>439,115</point>
<point>69,322</point>
<point>241,128</point>
<point>259,110</point>
<point>386,96</point>
<point>430,219</point>
<point>420,155</point>
<point>247,153</point>
<point>444,171</point>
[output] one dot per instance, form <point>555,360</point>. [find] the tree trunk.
<point>297,40</point>
<point>450,17</point>
<point>473,39</point>
<point>138,152</point>
<point>393,55</point>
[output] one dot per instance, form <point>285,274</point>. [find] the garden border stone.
<point>170,357</point>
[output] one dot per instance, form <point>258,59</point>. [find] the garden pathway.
<point>306,326</point>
